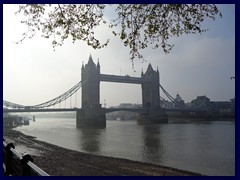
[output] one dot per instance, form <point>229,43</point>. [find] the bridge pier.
<point>156,115</point>
<point>91,117</point>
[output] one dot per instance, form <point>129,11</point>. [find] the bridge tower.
<point>150,91</point>
<point>151,98</point>
<point>91,113</point>
<point>91,83</point>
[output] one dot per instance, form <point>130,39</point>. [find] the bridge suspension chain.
<point>12,105</point>
<point>171,98</point>
<point>49,103</point>
<point>166,103</point>
<point>199,107</point>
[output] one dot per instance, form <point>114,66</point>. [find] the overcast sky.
<point>198,64</point>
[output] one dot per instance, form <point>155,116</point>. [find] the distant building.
<point>125,105</point>
<point>225,107</point>
<point>203,103</point>
<point>232,106</point>
<point>217,107</point>
<point>179,101</point>
<point>124,115</point>
<point>200,101</point>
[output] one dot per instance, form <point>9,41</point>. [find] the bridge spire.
<point>149,68</point>
<point>98,65</point>
<point>90,62</point>
<point>90,59</point>
<point>82,65</point>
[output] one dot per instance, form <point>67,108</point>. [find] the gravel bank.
<point>58,161</point>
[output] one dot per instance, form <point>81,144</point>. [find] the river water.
<point>202,147</point>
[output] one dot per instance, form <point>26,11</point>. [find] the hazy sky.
<point>198,64</point>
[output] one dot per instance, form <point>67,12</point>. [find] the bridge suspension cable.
<point>49,103</point>
<point>166,103</point>
<point>171,98</point>
<point>12,105</point>
<point>206,106</point>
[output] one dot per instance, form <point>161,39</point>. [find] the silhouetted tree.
<point>139,25</point>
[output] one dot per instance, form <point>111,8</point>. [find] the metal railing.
<point>15,164</point>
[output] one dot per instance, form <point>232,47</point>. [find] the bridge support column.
<point>153,116</point>
<point>91,117</point>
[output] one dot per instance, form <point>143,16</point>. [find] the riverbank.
<point>58,161</point>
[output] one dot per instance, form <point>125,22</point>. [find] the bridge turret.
<point>150,91</point>
<point>91,83</point>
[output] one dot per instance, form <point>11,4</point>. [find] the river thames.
<point>201,147</point>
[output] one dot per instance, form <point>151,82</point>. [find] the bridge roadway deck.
<point>107,110</point>
<point>184,110</point>
<point>40,110</point>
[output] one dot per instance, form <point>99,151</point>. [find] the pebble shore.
<point>58,161</point>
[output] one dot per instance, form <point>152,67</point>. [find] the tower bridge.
<point>91,113</point>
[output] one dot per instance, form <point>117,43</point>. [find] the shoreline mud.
<point>59,161</point>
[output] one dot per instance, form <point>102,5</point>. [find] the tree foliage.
<point>137,25</point>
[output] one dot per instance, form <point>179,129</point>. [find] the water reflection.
<point>152,149</point>
<point>89,139</point>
